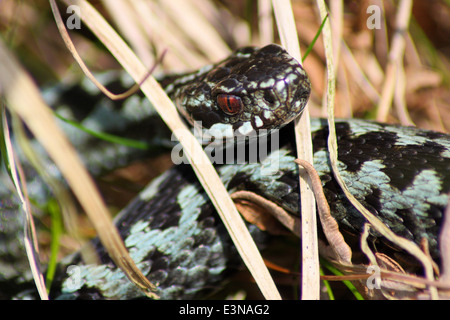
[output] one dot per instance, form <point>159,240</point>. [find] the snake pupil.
<point>230,104</point>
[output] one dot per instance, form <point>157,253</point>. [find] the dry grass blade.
<point>337,23</point>
<point>395,59</point>
<point>444,242</point>
<point>358,74</point>
<point>310,249</point>
<point>200,162</point>
<point>190,20</point>
<point>123,14</point>
<point>265,207</point>
<point>30,242</point>
<point>38,117</point>
<point>63,197</point>
<point>265,21</point>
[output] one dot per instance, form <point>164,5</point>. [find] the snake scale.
<point>401,174</point>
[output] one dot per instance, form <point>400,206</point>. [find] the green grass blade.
<point>327,286</point>
<point>106,136</point>
<point>56,231</point>
<point>311,45</point>
<point>347,283</point>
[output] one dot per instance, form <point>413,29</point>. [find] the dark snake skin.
<point>173,233</point>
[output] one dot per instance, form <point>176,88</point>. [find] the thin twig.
<point>69,44</point>
<point>329,224</point>
<point>289,221</point>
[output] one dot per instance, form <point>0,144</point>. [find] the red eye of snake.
<point>230,104</point>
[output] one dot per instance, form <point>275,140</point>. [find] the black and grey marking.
<point>392,170</point>
<point>183,248</point>
<point>176,238</point>
<point>400,174</point>
<point>181,245</point>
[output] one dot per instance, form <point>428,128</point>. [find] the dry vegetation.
<point>376,79</point>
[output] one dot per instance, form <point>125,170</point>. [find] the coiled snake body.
<point>401,174</point>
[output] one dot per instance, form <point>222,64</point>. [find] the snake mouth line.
<point>236,148</point>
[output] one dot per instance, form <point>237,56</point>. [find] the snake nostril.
<point>268,96</point>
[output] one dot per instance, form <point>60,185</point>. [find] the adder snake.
<point>401,174</point>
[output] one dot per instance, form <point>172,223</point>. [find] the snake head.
<point>253,91</point>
